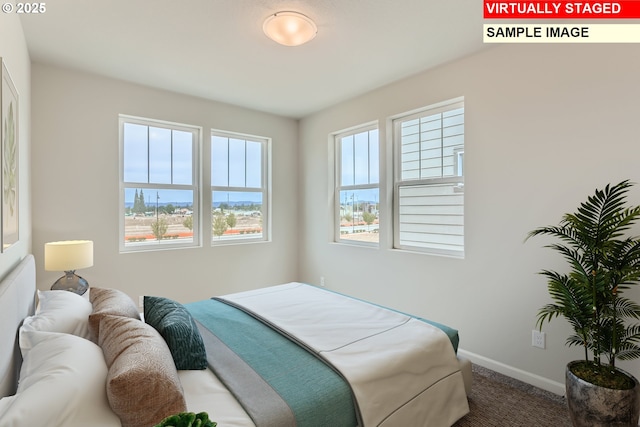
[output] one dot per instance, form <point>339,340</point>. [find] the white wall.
<point>75,187</point>
<point>13,50</point>
<point>545,125</point>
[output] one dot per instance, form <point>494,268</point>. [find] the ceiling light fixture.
<point>289,28</point>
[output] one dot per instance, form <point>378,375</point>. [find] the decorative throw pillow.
<point>178,329</point>
<point>109,302</point>
<point>62,383</point>
<point>58,311</point>
<point>143,386</point>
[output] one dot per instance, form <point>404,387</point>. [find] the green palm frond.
<point>603,216</point>
<point>576,340</point>
<point>629,347</point>
<point>623,261</point>
<point>626,309</point>
<point>571,301</point>
<point>574,257</point>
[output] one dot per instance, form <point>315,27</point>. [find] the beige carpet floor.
<point>497,400</point>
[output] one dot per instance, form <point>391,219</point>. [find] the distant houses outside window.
<point>239,188</point>
<point>357,193</point>
<point>158,184</point>
<point>429,179</point>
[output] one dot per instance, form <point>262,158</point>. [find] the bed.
<point>90,360</point>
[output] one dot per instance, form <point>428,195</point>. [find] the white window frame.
<point>265,144</point>
<point>455,182</point>
<point>337,140</point>
<point>150,186</point>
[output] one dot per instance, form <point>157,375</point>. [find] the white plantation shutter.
<point>432,216</point>
<point>429,187</point>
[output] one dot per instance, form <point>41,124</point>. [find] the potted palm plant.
<point>603,262</point>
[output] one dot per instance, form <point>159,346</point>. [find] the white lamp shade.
<point>289,28</point>
<point>68,255</point>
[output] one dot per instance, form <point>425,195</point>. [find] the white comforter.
<point>403,372</point>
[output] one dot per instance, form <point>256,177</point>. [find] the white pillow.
<point>62,383</point>
<point>58,311</point>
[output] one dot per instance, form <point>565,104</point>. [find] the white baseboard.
<point>519,374</point>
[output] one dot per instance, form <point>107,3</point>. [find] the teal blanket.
<point>278,383</point>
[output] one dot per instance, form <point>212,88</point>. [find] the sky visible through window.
<point>360,166</point>
<point>155,155</point>
<point>236,163</point>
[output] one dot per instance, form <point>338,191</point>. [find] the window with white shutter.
<point>429,179</point>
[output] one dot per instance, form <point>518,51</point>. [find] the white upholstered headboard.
<point>17,301</point>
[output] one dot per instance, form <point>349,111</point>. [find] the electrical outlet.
<point>538,339</point>
<point>322,281</point>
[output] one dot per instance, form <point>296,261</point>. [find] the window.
<point>239,196</point>
<point>158,184</point>
<point>357,191</point>
<point>429,182</point>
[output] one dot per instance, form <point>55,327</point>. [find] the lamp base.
<point>71,282</point>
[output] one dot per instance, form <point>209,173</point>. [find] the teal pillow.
<point>178,329</point>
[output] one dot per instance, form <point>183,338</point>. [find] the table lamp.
<point>69,256</point>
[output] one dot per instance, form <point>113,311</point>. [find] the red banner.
<point>625,9</point>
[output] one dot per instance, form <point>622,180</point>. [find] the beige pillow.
<point>143,386</point>
<point>112,302</point>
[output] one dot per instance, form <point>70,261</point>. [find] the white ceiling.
<point>216,49</point>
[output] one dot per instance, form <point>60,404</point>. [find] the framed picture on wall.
<point>9,158</point>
